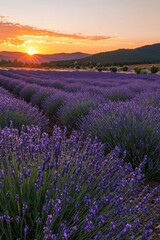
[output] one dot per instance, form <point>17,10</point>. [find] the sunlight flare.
<point>31,52</point>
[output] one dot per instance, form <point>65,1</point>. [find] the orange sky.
<point>83,26</point>
<point>17,37</point>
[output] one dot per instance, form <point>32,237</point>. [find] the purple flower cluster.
<point>26,83</point>
<point>120,109</point>
<point>19,113</point>
<point>149,98</point>
<point>28,91</point>
<point>119,94</point>
<point>40,96</point>
<point>4,92</point>
<point>53,103</point>
<point>55,187</point>
<point>76,107</point>
<point>52,90</point>
<point>133,127</point>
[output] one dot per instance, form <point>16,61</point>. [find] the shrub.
<point>119,94</point>
<point>58,85</point>
<point>63,188</point>
<point>20,113</point>
<point>4,92</point>
<point>18,88</point>
<point>138,70</point>
<point>99,69</point>
<point>90,66</point>
<point>145,71</point>
<point>28,91</point>
<point>113,69</point>
<point>133,127</point>
<point>125,68</point>
<point>154,69</point>
<point>73,109</point>
<point>73,88</point>
<point>12,84</point>
<point>78,66</point>
<point>148,98</point>
<point>52,104</point>
<point>39,97</point>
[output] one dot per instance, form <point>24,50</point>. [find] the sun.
<point>31,52</point>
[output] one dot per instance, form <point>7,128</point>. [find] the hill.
<point>39,58</point>
<point>145,54</point>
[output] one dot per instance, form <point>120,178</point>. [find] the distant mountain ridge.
<point>39,58</point>
<point>145,54</point>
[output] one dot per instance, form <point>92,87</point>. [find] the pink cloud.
<point>13,32</point>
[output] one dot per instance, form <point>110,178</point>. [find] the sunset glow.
<point>31,52</point>
<point>89,26</point>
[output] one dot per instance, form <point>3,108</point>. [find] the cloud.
<point>14,33</point>
<point>4,18</point>
<point>12,41</point>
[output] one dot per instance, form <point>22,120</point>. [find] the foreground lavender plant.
<point>76,107</point>
<point>52,104</point>
<point>19,112</point>
<point>63,188</point>
<point>28,91</point>
<point>149,98</point>
<point>4,91</point>
<point>133,127</point>
<point>39,97</point>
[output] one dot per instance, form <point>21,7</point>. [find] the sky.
<point>91,26</point>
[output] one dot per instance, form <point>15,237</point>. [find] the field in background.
<point>143,65</point>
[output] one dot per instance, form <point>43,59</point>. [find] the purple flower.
<point>24,208</point>
<point>81,193</point>
<point>25,229</point>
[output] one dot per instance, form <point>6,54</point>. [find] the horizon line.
<point>82,52</point>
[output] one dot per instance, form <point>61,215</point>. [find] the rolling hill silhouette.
<point>145,54</point>
<point>39,58</point>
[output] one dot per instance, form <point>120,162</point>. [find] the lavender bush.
<point>63,188</point>
<point>20,113</point>
<point>134,128</point>
<point>12,85</point>
<point>149,98</point>
<point>119,94</point>
<point>58,85</point>
<point>74,108</point>
<point>39,97</point>
<point>4,91</point>
<point>52,104</point>
<point>18,88</point>
<point>27,92</point>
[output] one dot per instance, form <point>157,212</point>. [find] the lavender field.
<point>78,153</point>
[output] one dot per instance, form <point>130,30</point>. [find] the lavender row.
<point>132,127</point>
<point>4,91</point>
<point>17,112</point>
<point>55,100</point>
<point>79,81</point>
<point>126,116</point>
<point>65,188</point>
